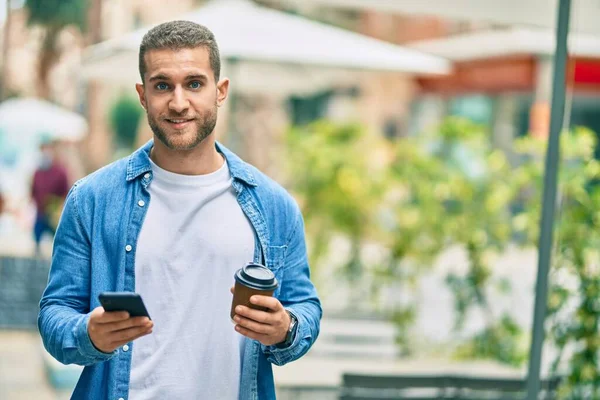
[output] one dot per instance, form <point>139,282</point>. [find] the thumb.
<point>232,289</point>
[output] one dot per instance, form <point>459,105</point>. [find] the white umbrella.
<point>24,122</point>
<point>257,35</point>
<point>517,40</point>
<point>26,119</point>
<point>539,13</point>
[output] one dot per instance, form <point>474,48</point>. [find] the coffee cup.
<point>252,279</point>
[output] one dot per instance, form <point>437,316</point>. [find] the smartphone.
<point>124,301</point>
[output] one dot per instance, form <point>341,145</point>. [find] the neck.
<point>201,160</point>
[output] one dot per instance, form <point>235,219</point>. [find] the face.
<point>180,96</point>
<point>47,150</point>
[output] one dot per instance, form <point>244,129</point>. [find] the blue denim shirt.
<point>94,251</point>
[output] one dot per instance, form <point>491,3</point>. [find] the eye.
<point>162,86</point>
<point>195,85</point>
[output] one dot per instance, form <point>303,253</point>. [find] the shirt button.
<point>125,348</point>
<point>120,398</point>
<point>128,248</point>
<point>141,203</point>
<point>147,176</point>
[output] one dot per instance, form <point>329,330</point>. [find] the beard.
<point>189,137</point>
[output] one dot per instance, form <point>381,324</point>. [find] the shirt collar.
<point>139,163</point>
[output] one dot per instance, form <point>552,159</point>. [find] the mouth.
<point>179,123</point>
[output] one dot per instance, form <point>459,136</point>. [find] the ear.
<point>139,87</point>
<point>222,91</point>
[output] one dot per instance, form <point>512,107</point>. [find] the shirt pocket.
<point>275,261</point>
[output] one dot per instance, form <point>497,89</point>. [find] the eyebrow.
<point>200,77</point>
<point>159,77</point>
<point>163,77</point>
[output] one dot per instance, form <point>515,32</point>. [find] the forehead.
<point>177,63</point>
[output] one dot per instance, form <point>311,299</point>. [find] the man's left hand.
<point>268,327</point>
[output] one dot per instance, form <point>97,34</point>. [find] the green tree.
<point>455,190</point>
<point>573,301</point>
<point>125,116</point>
<point>338,186</point>
<point>53,16</point>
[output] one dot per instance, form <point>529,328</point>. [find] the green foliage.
<point>57,13</point>
<point>451,189</point>
<point>573,301</point>
<point>418,196</point>
<point>125,116</point>
<point>336,184</point>
<point>504,341</point>
<point>403,318</point>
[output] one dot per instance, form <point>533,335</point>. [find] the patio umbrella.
<point>516,40</point>
<point>539,13</point>
<point>27,119</point>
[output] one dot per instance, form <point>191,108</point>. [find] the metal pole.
<point>549,200</point>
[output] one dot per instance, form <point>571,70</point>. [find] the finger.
<point>256,315</point>
<point>128,334</point>
<point>266,301</point>
<point>254,326</point>
<point>249,333</point>
<point>128,323</point>
<point>107,317</point>
<point>232,289</point>
<point>123,342</point>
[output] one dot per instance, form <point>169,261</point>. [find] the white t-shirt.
<point>194,237</point>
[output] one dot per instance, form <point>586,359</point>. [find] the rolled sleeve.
<point>85,345</point>
<point>283,355</point>
<point>299,296</point>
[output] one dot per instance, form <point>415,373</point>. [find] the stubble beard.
<point>205,127</point>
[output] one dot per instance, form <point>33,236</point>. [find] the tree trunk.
<point>5,53</point>
<point>97,146</point>
<point>48,57</point>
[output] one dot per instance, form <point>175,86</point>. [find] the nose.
<point>178,103</point>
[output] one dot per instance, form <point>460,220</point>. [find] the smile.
<point>178,123</point>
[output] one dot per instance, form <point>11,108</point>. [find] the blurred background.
<point>412,134</point>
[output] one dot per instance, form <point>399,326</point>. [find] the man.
<point>173,222</point>
<point>49,188</point>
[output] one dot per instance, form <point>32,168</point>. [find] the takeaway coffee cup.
<point>250,280</point>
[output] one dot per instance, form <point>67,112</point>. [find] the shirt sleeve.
<point>299,296</point>
<point>64,307</point>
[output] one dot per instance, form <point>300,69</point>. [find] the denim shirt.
<point>94,251</point>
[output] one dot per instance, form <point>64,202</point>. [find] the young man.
<point>173,222</point>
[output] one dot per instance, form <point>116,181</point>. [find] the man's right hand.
<point>111,330</point>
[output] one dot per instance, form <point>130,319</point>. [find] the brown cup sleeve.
<point>242,294</point>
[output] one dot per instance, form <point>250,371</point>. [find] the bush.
<point>125,116</point>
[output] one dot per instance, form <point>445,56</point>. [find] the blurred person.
<point>49,188</point>
<point>173,222</point>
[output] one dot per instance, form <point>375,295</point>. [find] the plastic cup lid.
<point>256,276</point>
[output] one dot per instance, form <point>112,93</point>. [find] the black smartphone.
<point>124,301</point>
